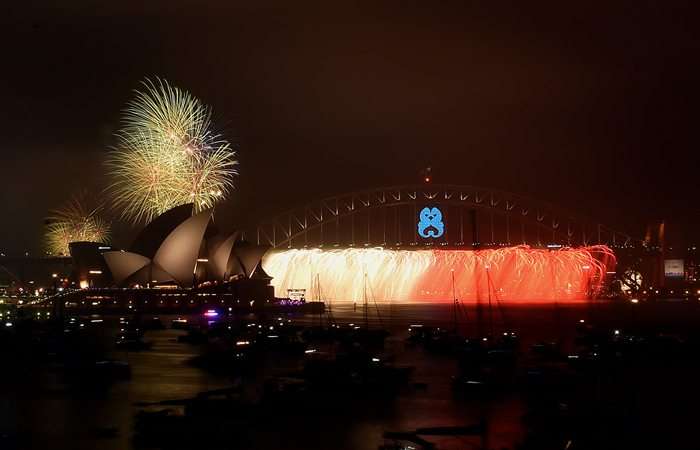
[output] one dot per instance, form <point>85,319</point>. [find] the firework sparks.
<point>168,155</point>
<point>512,274</point>
<point>74,223</point>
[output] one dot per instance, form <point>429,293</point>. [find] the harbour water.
<point>42,407</point>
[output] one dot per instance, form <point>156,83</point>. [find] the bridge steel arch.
<point>475,217</point>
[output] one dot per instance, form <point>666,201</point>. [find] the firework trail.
<point>74,222</point>
<point>512,274</point>
<point>168,155</point>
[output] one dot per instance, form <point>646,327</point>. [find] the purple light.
<point>211,313</point>
<point>290,302</point>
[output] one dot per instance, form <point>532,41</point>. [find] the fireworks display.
<point>168,155</point>
<point>74,223</point>
<point>511,274</point>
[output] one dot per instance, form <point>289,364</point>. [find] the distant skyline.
<point>593,108</point>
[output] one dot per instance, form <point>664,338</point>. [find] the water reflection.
<point>42,406</point>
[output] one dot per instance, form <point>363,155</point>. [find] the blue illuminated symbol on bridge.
<point>430,223</point>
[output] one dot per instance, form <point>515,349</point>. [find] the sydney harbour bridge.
<point>472,217</point>
<point>434,242</point>
<point>426,242</point>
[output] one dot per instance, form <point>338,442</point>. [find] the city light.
<point>211,313</point>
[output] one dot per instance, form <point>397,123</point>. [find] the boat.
<point>218,418</point>
<point>179,324</point>
<point>132,340</point>
<point>362,336</point>
<point>404,440</point>
<point>357,373</point>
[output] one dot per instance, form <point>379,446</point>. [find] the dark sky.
<point>593,107</point>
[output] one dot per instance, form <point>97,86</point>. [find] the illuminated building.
<point>185,250</point>
<point>89,268</point>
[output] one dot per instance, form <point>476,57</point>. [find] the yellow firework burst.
<point>75,222</point>
<point>168,155</point>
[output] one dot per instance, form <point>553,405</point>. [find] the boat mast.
<point>318,297</point>
<point>364,299</point>
<point>454,301</point>
<point>488,280</point>
<point>328,309</point>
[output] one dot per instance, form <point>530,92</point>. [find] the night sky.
<point>593,107</point>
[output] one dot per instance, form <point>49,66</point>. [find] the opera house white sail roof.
<point>173,247</point>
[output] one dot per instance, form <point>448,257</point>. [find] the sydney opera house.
<point>177,249</point>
